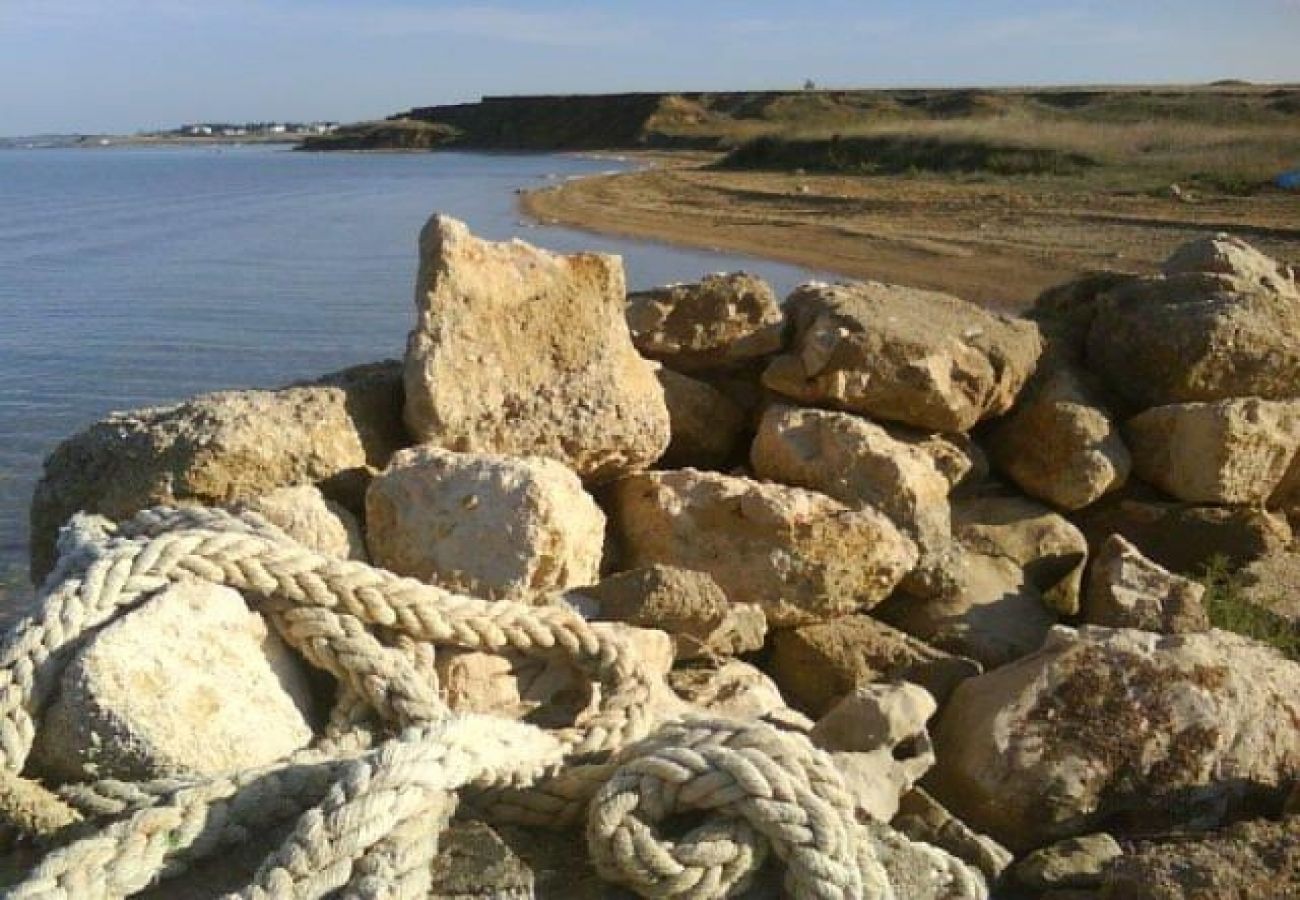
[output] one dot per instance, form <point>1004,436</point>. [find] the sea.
<point>134,276</point>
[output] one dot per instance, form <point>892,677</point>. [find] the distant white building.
<point>277,129</point>
<point>198,129</point>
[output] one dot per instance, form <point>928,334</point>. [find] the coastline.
<point>999,243</point>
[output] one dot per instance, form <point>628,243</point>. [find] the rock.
<point>991,612</point>
<point>1122,728</point>
<point>527,353</point>
<point>189,683</point>
<point>1185,538</point>
<point>1079,862</point>
<point>860,464</point>
<point>1197,336</point>
<point>222,448</point>
<point>723,321</point>
<point>706,425</point>
<point>919,871</point>
<point>1227,451</point>
<point>473,862</point>
<point>802,556</point>
<point>1127,590</point>
<point>1272,583</point>
<point>816,665</point>
<point>1059,443</point>
<point>922,818</point>
<point>917,357</point>
<point>1050,550</point>
<point>1226,255</point>
<point>958,458</point>
<point>687,604</point>
<point>1246,861</point>
<point>876,736</point>
<point>1066,311</point>
<point>305,515</point>
<point>728,688</point>
<point>498,527</point>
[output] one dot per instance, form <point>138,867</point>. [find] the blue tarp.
<point>1289,180</point>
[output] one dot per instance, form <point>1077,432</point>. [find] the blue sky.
<point>122,65</point>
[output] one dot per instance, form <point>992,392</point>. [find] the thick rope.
<point>368,812</point>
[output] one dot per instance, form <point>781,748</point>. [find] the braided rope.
<point>369,811</point>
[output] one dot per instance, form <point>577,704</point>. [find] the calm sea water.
<point>131,276</point>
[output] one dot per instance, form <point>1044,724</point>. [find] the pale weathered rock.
<point>816,665</point>
<point>494,526</point>
<point>473,862</point>
<point>922,818</point>
<point>876,735</point>
<point>723,321</point>
<point>1196,335</point>
<point>919,871</point>
<point>1059,444</point>
<point>1078,862</point>
<point>305,515</point>
<point>1127,590</point>
<point>1185,538</point>
<point>706,425</point>
<point>1272,583</point>
<point>687,604</point>
<point>918,357</point>
<point>991,613</point>
<point>1226,451</point>
<point>802,556</point>
<point>1227,255</point>
<point>223,448</point>
<point>190,683</point>
<point>1249,860</point>
<point>1050,550</point>
<point>730,688</point>
<point>860,464</point>
<point>1131,728</point>
<point>958,458</point>
<point>523,352</point>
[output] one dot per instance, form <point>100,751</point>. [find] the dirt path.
<point>998,242</point>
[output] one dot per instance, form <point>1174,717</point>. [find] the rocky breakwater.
<point>872,593</point>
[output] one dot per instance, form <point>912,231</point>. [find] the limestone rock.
<point>1131,728</point>
<point>816,665</point>
<point>802,556</point>
<point>1198,336</point>
<point>1079,862</point>
<point>473,862</point>
<point>1272,583</point>
<point>305,515</point>
<point>860,464</point>
<point>220,449</point>
<point>1226,451</point>
<point>919,871</point>
<point>1127,590</point>
<point>1227,255</point>
<point>1242,862</point>
<point>190,683</point>
<point>992,613</point>
<point>729,688</point>
<point>1050,550</point>
<point>706,425</point>
<point>1184,538</point>
<point>722,321</point>
<point>876,736</point>
<point>922,818</point>
<point>524,352</point>
<point>687,604</point>
<point>1059,444</point>
<point>918,357</point>
<point>494,526</point>
<point>958,458</point>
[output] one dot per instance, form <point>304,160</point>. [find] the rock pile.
<point>838,526</point>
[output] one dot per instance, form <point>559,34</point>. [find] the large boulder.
<point>924,819</point>
<point>706,424</point>
<point>304,514</point>
<point>494,526</point>
<point>190,683</point>
<point>802,556</point>
<point>858,463</point>
<point>1127,590</point>
<point>1060,444</point>
<point>729,688</point>
<point>222,448</point>
<point>524,352</point>
<point>816,665</point>
<point>1225,451</point>
<point>722,321</point>
<point>1119,729</point>
<point>918,357</point>
<point>687,604</point>
<point>1226,255</point>
<point>1210,329</point>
